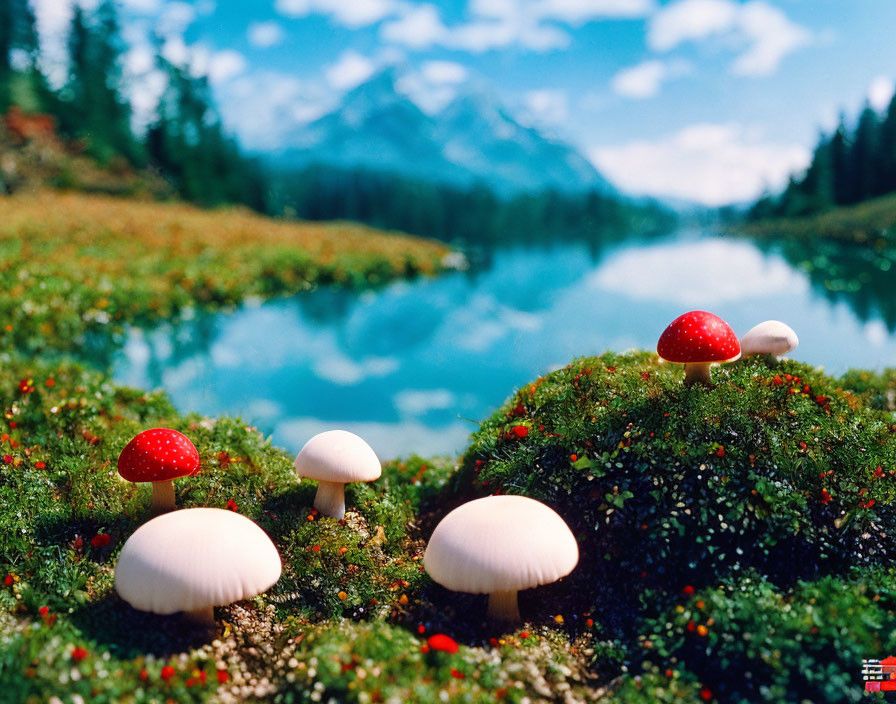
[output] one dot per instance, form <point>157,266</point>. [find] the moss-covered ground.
<point>735,547</point>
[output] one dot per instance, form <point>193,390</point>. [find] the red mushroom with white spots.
<point>159,456</point>
<point>697,339</point>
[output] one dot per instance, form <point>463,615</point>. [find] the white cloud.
<point>418,27</point>
<point>772,36</point>
<point>880,92</point>
<point>200,60</point>
<point>644,79</point>
<point>139,60</point>
<point>764,32</point>
<point>572,12</point>
<point>689,20</point>
<point>421,26</point>
<point>547,107</point>
<point>350,69</point>
<point>265,105</point>
<point>349,13</point>
<point>176,51</point>
<point>224,65</point>
<point>417,402</point>
<point>713,164</point>
<point>265,34</point>
<point>341,370</point>
<point>143,7</point>
<point>443,72</point>
<point>175,18</point>
<point>698,273</point>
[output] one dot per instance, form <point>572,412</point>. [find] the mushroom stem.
<point>503,606</point>
<point>330,499</point>
<point>162,497</point>
<point>697,372</point>
<point>202,617</point>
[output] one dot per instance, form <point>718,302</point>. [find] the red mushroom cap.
<point>158,455</point>
<point>698,337</point>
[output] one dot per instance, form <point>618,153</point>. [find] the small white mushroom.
<point>499,545</point>
<point>771,337</point>
<point>335,458</point>
<point>193,560</point>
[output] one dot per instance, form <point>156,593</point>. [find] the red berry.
<point>101,540</point>
<point>440,641</point>
<point>222,676</point>
<point>78,654</point>
<point>167,672</point>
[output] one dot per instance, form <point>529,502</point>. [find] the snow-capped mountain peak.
<point>474,139</point>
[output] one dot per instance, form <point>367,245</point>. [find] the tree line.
<point>847,167</point>
<point>185,141</point>
<point>472,215</point>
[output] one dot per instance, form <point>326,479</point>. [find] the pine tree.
<point>20,79</point>
<point>888,149</point>
<point>864,157</point>
<point>841,165</point>
<point>95,109</point>
<point>187,142</point>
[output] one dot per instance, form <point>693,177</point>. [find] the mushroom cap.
<point>158,455</point>
<point>195,558</point>
<point>770,337</point>
<point>698,337</point>
<point>338,456</point>
<point>500,543</point>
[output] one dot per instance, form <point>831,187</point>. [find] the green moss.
<point>804,644</point>
<point>774,470</point>
<point>754,508</point>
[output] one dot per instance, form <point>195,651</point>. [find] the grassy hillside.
<point>73,265</point>
<point>872,222</point>
<point>735,547</point>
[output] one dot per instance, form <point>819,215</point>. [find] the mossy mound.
<point>774,469</point>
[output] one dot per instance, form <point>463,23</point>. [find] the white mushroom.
<point>499,545</point>
<point>771,337</point>
<point>193,560</point>
<point>334,459</point>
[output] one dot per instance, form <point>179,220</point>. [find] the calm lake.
<point>415,366</point>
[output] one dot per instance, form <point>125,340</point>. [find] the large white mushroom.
<point>193,560</point>
<point>499,545</point>
<point>335,458</point>
<point>771,337</point>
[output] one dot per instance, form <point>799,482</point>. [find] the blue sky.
<point>701,99</point>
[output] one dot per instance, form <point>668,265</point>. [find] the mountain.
<point>472,140</point>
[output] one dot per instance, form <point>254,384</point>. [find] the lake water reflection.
<point>413,367</point>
